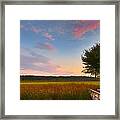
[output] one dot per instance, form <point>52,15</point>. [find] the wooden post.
<point>95,95</point>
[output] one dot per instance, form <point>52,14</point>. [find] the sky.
<point>54,47</point>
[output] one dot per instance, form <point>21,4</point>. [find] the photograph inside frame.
<point>59,59</point>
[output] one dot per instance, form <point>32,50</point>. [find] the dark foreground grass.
<point>57,90</point>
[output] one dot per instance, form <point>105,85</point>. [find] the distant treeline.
<point>57,78</point>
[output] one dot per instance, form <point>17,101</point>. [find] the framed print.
<point>60,60</point>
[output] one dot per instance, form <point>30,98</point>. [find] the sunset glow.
<point>54,47</point>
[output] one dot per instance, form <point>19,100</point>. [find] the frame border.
<point>55,2</point>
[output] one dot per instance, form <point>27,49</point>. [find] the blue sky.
<point>54,47</point>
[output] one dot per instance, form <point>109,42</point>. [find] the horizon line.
<point>58,75</point>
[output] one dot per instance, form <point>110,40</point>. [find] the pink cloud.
<point>53,69</point>
<point>58,69</point>
<point>45,46</point>
<point>48,36</point>
<point>42,66</point>
<point>79,31</point>
<point>35,30</point>
<point>32,28</point>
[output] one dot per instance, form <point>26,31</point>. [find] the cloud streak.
<point>45,46</point>
<point>48,36</point>
<point>53,47</point>
<point>37,30</point>
<point>79,31</point>
<point>36,63</point>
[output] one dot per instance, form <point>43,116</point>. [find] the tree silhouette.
<point>91,60</point>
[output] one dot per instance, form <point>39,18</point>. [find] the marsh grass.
<point>57,90</point>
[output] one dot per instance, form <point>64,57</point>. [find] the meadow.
<point>57,90</point>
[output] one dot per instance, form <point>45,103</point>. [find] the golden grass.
<point>57,90</point>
